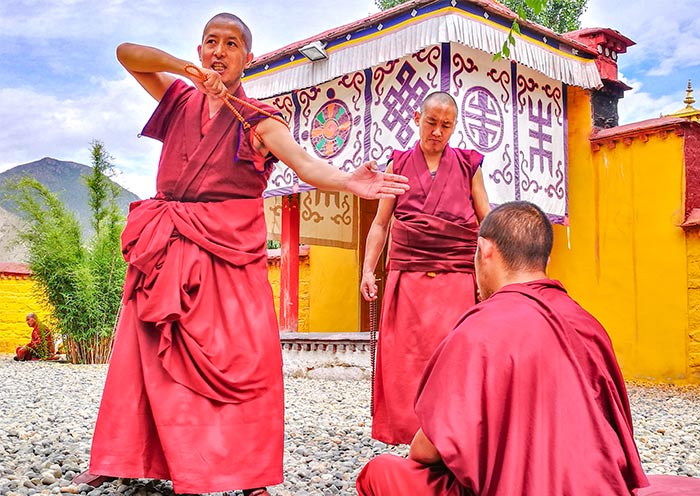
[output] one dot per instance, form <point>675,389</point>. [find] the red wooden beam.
<point>289,265</point>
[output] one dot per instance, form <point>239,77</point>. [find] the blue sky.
<point>61,86</point>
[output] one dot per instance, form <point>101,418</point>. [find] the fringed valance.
<point>384,43</point>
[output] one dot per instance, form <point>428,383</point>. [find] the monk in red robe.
<point>194,390</point>
<point>525,396</point>
<point>41,346</point>
<point>430,281</point>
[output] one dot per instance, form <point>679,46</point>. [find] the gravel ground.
<point>48,410</point>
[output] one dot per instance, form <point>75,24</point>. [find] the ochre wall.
<point>623,256</point>
<point>693,244</point>
<point>328,290</point>
<point>334,293</point>
<point>17,299</point>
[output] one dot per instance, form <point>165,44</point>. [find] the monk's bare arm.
<point>154,69</point>
<point>479,196</point>
<point>365,182</point>
<point>376,239</point>
<point>423,451</point>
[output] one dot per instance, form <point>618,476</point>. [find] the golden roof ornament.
<point>689,112</point>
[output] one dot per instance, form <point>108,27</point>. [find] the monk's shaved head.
<point>245,31</point>
<point>522,233</point>
<point>439,97</point>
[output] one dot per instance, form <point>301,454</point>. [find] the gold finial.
<point>689,112</point>
<point>689,100</point>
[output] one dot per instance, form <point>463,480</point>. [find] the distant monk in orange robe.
<point>525,396</point>
<point>430,281</point>
<point>41,346</point>
<point>194,391</point>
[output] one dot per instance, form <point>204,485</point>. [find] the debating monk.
<point>524,397</point>
<point>194,389</point>
<point>430,279</point>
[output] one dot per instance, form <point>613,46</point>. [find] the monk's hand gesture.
<point>368,286</point>
<point>368,182</point>
<point>210,83</point>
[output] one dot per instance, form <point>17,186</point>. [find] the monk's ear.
<point>248,59</point>
<point>199,52</point>
<point>416,118</point>
<point>486,247</point>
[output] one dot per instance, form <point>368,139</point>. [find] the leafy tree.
<point>82,281</point>
<point>560,16</point>
<point>387,4</point>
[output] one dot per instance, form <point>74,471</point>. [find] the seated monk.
<point>525,396</point>
<point>41,345</point>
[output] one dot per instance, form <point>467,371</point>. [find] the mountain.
<point>65,180</point>
<point>11,249</point>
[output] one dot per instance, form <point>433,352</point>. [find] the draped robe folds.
<point>194,390</point>
<point>525,397</point>
<point>430,282</point>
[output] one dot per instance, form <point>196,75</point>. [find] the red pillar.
<point>289,265</point>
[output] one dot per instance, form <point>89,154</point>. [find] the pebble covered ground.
<point>48,410</point>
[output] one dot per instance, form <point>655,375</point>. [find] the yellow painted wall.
<point>304,285</point>
<point>693,244</point>
<point>334,293</point>
<point>623,256</point>
<point>17,299</point>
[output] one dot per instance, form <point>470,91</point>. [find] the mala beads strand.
<point>196,72</point>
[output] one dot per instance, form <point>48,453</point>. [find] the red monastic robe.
<point>525,397</point>
<point>39,347</point>
<point>430,282</point>
<point>194,390</point>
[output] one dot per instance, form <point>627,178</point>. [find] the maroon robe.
<point>40,346</point>
<point>430,282</point>
<point>194,390</point>
<point>525,397</point>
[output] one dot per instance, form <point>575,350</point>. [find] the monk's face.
<point>224,50</point>
<point>435,124</point>
<point>31,321</point>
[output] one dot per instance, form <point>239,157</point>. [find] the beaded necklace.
<point>196,72</point>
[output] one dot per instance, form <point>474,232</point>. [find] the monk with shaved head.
<point>194,390</point>
<point>430,281</point>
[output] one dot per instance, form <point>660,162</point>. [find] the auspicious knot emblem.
<point>330,129</point>
<point>483,119</point>
<point>402,102</point>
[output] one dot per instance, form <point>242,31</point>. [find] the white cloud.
<point>667,33</point>
<point>63,129</point>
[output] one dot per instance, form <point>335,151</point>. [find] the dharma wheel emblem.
<point>330,129</point>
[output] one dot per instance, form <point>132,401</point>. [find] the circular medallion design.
<point>483,119</point>
<point>330,129</point>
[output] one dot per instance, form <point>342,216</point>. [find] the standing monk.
<point>41,346</point>
<point>430,282</point>
<point>194,390</point>
<point>525,396</point>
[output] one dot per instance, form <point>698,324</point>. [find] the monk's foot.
<point>93,480</point>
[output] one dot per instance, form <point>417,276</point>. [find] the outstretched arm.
<point>366,181</point>
<point>155,70</point>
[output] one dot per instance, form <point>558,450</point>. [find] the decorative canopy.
<point>413,26</point>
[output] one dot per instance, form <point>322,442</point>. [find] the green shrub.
<point>82,281</point>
